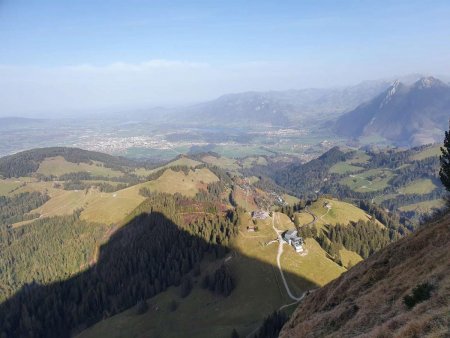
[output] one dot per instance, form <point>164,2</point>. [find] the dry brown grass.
<point>367,301</point>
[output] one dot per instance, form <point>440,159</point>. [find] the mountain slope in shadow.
<point>143,258</point>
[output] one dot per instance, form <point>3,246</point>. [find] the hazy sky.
<point>66,56</point>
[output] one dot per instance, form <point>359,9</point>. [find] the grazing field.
<point>370,180</point>
<point>424,207</point>
<point>305,218</point>
<point>8,185</point>
<point>428,152</point>
<point>239,151</point>
<point>182,161</point>
<point>315,266</point>
<point>222,162</point>
<point>58,166</point>
<point>349,258</point>
<point>244,199</point>
<point>359,157</point>
<point>113,207</point>
<point>419,187</point>
<point>289,199</point>
<point>340,212</point>
<point>177,182</point>
<point>344,168</point>
<point>97,206</point>
<point>252,161</point>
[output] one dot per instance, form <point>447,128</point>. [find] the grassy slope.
<point>349,258</point>
<point>113,207</point>
<point>359,157</point>
<point>222,162</point>
<point>182,161</point>
<point>340,212</point>
<point>8,185</point>
<point>176,181</point>
<point>369,180</point>
<point>344,168</point>
<point>419,187</point>
<point>428,152</point>
<point>424,207</point>
<point>252,161</point>
<point>289,199</point>
<point>58,166</point>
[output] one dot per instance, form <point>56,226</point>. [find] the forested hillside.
<point>151,252</point>
<point>398,181</point>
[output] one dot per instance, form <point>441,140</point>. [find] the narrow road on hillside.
<point>280,252</point>
<point>313,216</point>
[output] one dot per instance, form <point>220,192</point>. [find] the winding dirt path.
<point>280,252</point>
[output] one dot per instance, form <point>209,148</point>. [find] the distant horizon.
<point>105,111</point>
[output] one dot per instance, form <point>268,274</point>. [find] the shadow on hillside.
<point>143,258</point>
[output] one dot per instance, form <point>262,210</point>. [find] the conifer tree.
<point>444,173</point>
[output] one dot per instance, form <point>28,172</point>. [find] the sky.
<point>61,57</point>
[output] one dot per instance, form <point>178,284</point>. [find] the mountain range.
<point>404,114</point>
<point>281,108</point>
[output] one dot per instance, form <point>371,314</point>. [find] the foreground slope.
<point>368,300</point>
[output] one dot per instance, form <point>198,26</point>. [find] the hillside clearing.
<point>58,166</point>
<point>344,168</point>
<point>172,182</point>
<point>426,153</point>
<point>419,187</point>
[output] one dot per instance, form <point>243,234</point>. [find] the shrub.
<point>419,294</point>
